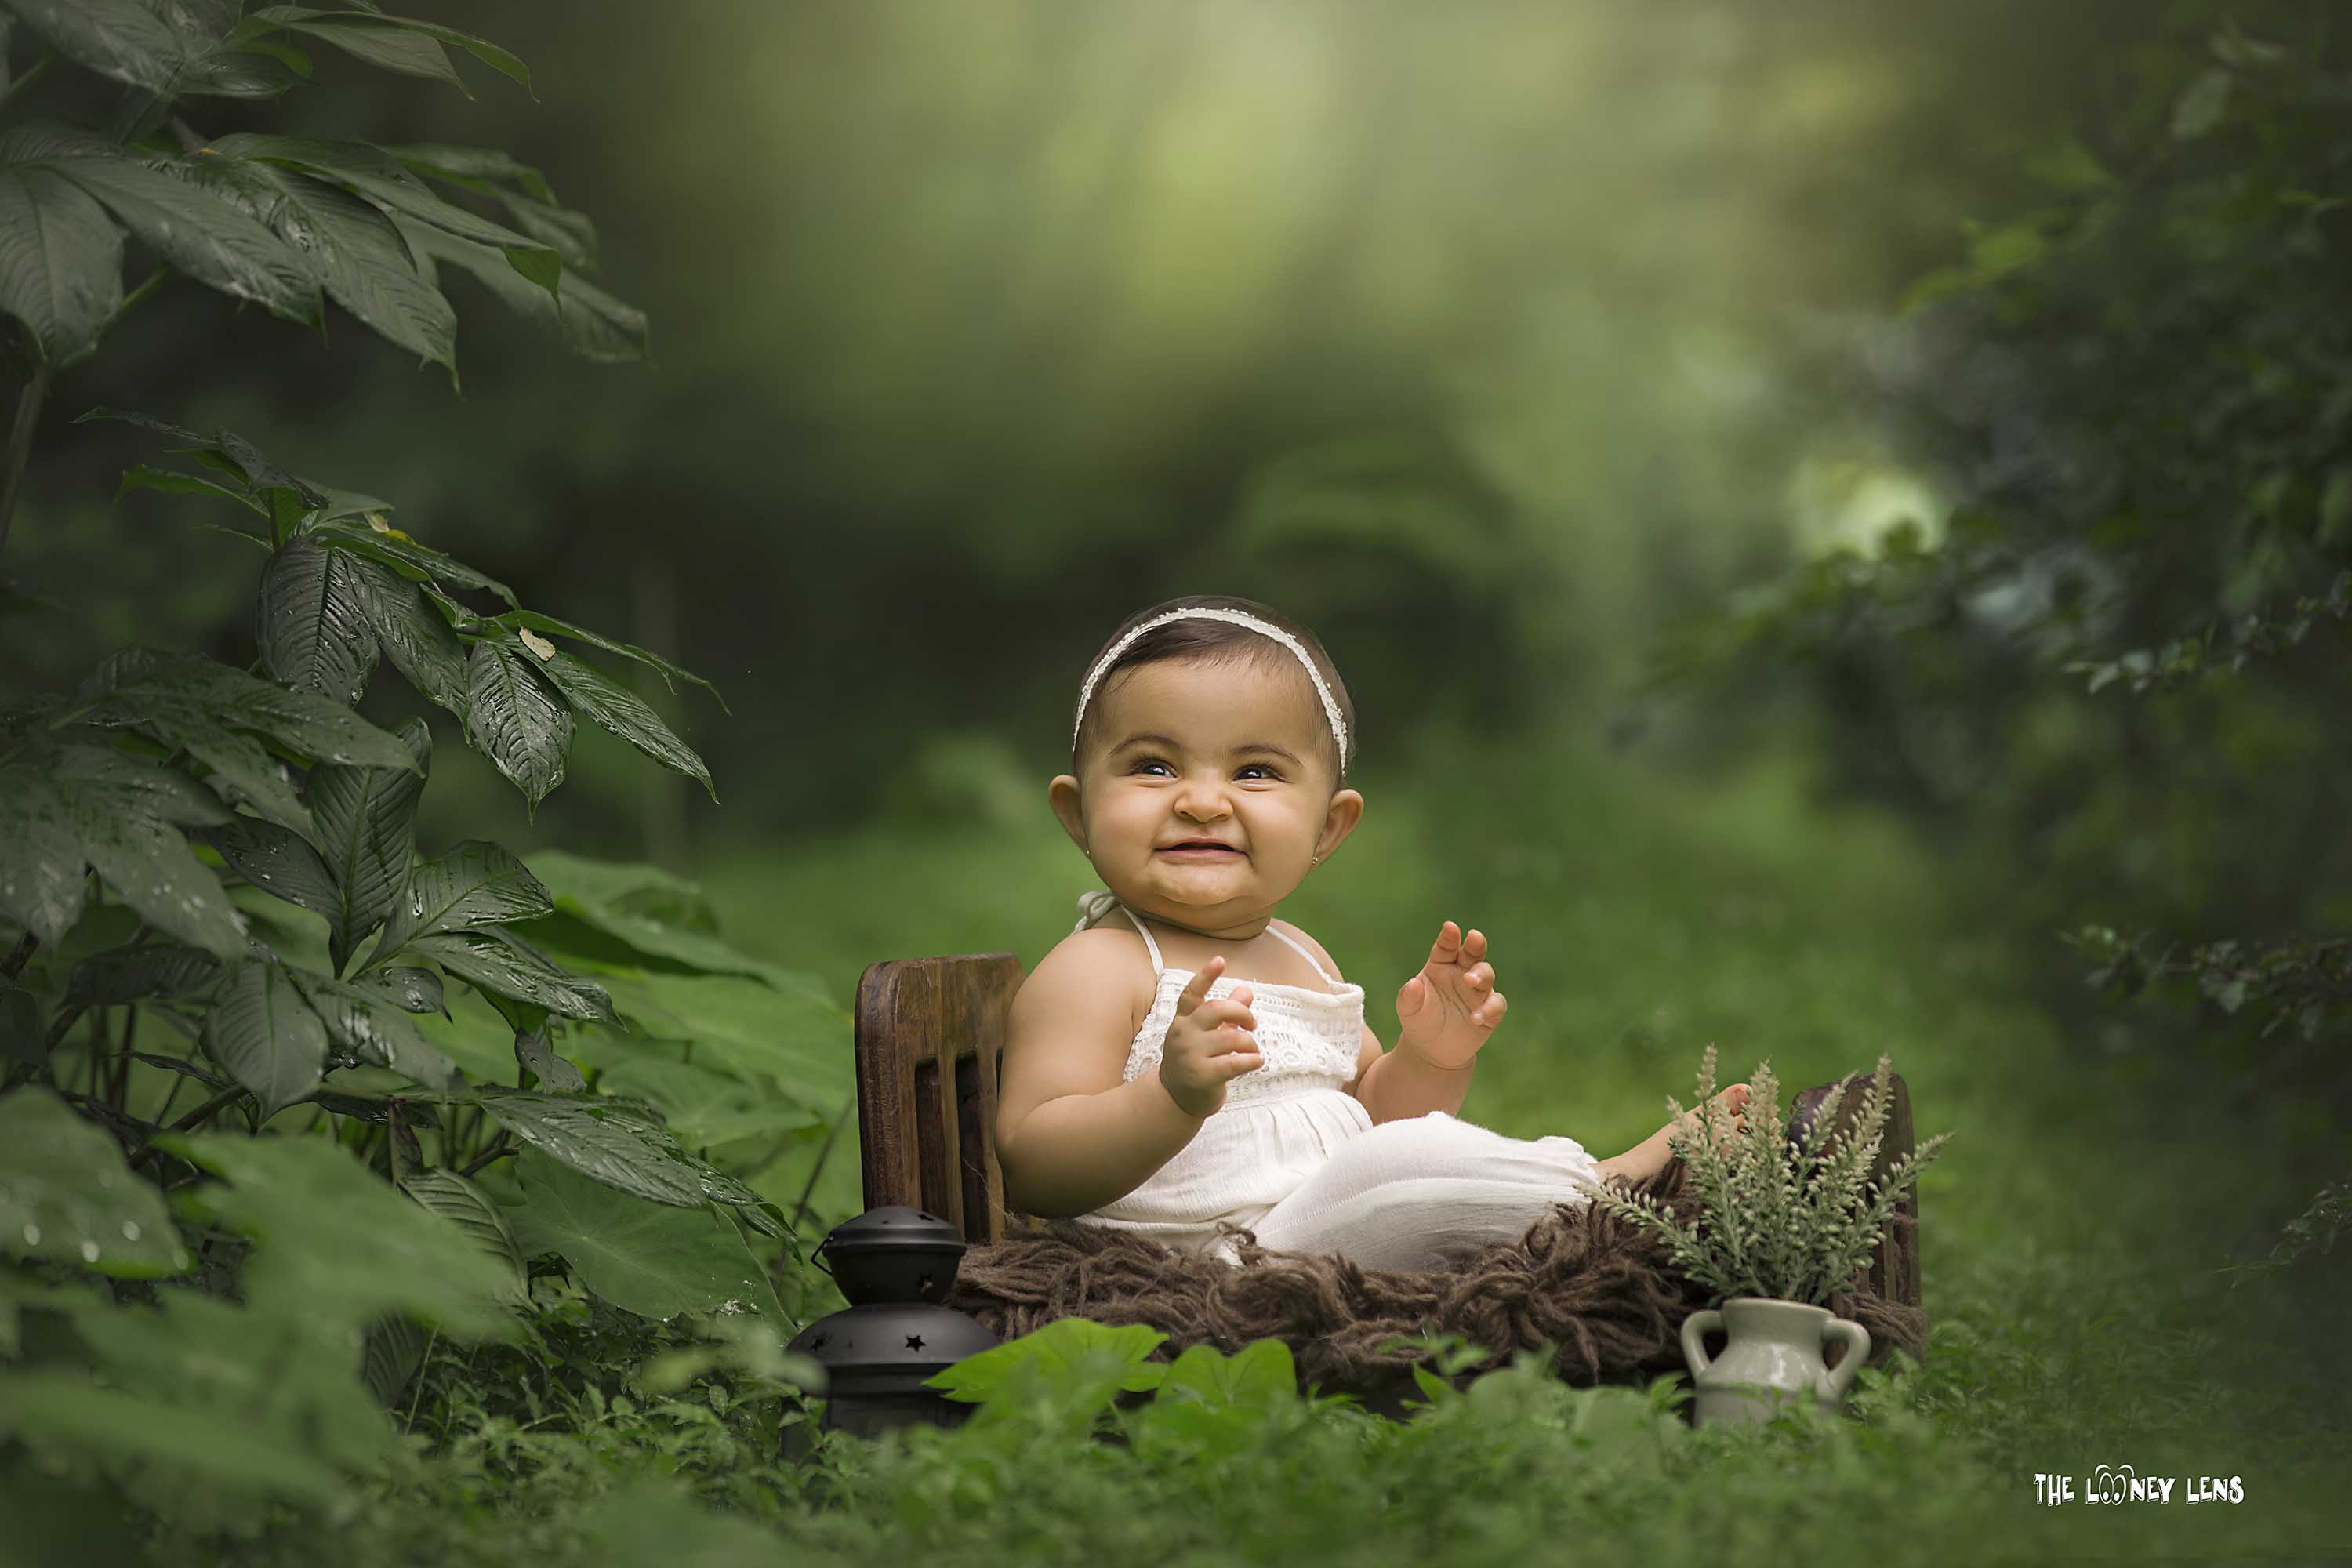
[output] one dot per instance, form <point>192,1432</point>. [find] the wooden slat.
<point>929,1034</point>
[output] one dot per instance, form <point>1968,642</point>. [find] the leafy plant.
<point>210,882</point>
<point>1791,1219</point>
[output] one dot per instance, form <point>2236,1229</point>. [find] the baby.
<point>1196,1066</point>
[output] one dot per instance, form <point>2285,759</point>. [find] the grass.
<point>2072,1230</point>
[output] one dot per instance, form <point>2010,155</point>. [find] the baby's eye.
<point>1249,768</point>
<point>1143,762</point>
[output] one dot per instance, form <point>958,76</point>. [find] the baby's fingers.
<point>1198,986</point>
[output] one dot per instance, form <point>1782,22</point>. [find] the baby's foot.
<point>1648,1157</point>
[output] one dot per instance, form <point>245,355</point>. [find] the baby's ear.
<point>1062,795</point>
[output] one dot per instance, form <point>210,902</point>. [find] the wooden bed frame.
<point>929,1032</point>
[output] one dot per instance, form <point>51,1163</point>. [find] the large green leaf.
<point>191,228</point>
<point>265,1034</point>
<point>621,712</point>
<point>489,54</point>
<point>49,1409</point>
<point>379,42</point>
<point>518,619</point>
<point>372,173</point>
<point>591,1135</point>
<point>498,963</point>
<point>703,1108</point>
<point>412,561</point>
<point>243,771</point>
<point>410,990</point>
<point>145,971</point>
<point>647,1258</point>
<point>278,862</point>
<point>582,317</point>
<point>66,1193</point>
<point>366,820</point>
<point>140,684</point>
<point>133,784</point>
<point>43,884</point>
<point>474,168</point>
<point>790,1042</point>
<point>416,639</point>
<point>165,47</point>
<point>337,1241</point>
<point>470,1208</point>
<point>149,866</point>
<point>364,1026</point>
<point>315,621</point>
<point>515,721</point>
<point>60,262</point>
<point>641,917</point>
<point>359,255</point>
<point>475,883</point>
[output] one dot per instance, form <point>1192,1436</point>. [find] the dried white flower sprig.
<point>1793,1222</point>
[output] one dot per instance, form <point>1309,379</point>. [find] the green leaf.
<point>515,721</point>
<point>536,1053</point>
<point>388,46</point>
<point>791,1044</point>
<point>141,684</point>
<point>218,1448</point>
<point>641,917</point>
<point>1067,1352</point>
<point>1261,1375</point>
<point>363,1025</point>
<point>418,641</point>
<point>243,771</point>
<point>66,1193</point>
<point>410,558</point>
<point>2201,104</point>
<point>366,820</point>
<point>410,990</point>
<point>133,784</point>
<point>474,168</point>
<point>584,317</point>
<point>278,862</point>
<point>496,963</point>
<point>120,39</point>
<point>149,866</point>
<point>337,1241</point>
<point>584,1132</point>
<point>60,263</point>
<point>475,883</point>
<point>142,477</point>
<point>644,1258</point>
<point>703,1108</point>
<point>621,712</point>
<point>265,1034</point>
<point>42,882</point>
<point>372,173</point>
<point>466,1207</point>
<point>518,619</point>
<point>145,971</point>
<point>192,228</point>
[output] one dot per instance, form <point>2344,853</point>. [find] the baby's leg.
<point>1427,1191</point>
<point>1648,1157</point>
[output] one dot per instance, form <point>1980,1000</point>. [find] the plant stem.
<point>499,1150</point>
<point>409,1423</point>
<point>32,74</point>
<point>20,443</point>
<point>830,1133</point>
<point>20,956</point>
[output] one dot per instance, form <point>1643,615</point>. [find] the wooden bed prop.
<point>929,1034</point>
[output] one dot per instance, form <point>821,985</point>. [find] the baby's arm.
<point>1069,1135</point>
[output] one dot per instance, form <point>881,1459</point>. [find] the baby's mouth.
<point>1199,849</point>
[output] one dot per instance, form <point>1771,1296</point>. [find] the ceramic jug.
<point>1777,1351</point>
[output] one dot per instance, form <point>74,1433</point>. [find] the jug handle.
<point>1695,1329</point>
<point>1837,1379</point>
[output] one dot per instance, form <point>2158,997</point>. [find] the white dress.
<point>1296,1158</point>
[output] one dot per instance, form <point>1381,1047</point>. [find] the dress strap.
<point>1296,948</point>
<point>1093,906</point>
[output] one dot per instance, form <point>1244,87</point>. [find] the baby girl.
<point>1183,1060</point>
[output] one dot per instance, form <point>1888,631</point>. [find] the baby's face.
<point>1208,794</point>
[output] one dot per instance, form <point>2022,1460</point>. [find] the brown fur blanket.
<point>1602,1292</point>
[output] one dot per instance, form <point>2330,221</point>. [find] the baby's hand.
<point>1451,1007</point>
<point>1208,1043</point>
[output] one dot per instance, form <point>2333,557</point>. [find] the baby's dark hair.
<point>1218,642</point>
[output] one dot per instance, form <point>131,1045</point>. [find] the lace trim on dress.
<point>1307,1038</point>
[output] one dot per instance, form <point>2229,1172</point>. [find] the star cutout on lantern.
<point>914,1341</point>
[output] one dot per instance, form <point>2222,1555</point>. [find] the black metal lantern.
<point>896,1265</point>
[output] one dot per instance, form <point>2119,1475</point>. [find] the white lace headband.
<point>1110,656</point>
